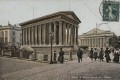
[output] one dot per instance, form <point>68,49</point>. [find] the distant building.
<point>63,25</point>
<point>11,35</point>
<point>97,38</point>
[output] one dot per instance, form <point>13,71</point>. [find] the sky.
<point>18,11</point>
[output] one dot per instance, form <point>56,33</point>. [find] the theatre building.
<point>64,27</point>
<point>97,38</point>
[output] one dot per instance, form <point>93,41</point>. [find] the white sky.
<point>17,11</point>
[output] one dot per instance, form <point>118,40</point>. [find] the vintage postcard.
<point>59,39</point>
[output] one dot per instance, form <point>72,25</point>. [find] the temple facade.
<point>63,25</point>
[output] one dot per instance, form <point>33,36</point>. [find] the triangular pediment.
<point>93,31</point>
<point>70,14</point>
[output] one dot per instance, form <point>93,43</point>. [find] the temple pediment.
<point>70,15</point>
<point>93,31</point>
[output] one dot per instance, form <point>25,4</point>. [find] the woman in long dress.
<point>61,56</point>
<point>95,54</point>
<point>101,54</point>
<point>91,54</point>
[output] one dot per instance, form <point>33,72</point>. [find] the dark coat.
<point>116,57</point>
<point>95,54</point>
<point>79,53</point>
<point>107,52</point>
<point>61,57</point>
<point>91,54</point>
<point>101,54</point>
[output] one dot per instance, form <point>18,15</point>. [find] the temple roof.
<point>69,14</point>
<point>97,31</point>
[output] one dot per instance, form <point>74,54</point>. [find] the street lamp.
<point>51,37</point>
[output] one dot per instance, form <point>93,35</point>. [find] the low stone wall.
<point>43,53</point>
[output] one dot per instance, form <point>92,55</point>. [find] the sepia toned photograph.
<point>59,39</point>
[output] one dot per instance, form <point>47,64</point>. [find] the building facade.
<point>63,25</point>
<point>96,38</point>
<point>11,35</point>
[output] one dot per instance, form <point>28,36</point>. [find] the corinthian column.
<point>64,33</point>
<point>44,33</point>
<point>50,30</point>
<point>71,38</point>
<point>77,35</point>
<point>22,36</point>
<point>29,35</point>
<point>55,33</point>
<point>40,34</point>
<point>60,32</point>
<point>35,35</point>
<point>67,33</point>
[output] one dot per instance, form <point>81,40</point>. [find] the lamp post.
<point>51,37</point>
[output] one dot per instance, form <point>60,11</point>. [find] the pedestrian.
<point>95,53</point>
<point>107,52</point>
<point>101,54</point>
<point>79,54</point>
<point>71,55</point>
<point>116,56</point>
<point>61,56</point>
<point>91,54</point>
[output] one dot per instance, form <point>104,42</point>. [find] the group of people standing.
<point>94,54</point>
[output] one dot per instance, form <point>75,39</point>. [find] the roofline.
<point>48,16</point>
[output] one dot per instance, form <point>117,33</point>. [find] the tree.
<point>113,41</point>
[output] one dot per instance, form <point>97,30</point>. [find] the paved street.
<point>15,69</point>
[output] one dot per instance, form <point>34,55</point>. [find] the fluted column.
<point>71,34</point>
<point>40,34</point>
<point>104,42</point>
<point>44,42</point>
<point>50,30</point>
<point>92,42</point>
<point>67,33</point>
<point>32,35</point>
<point>28,36</point>
<point>25,35</point>
<point>55,33</point>
<point>64,33</point>
<point>35,35</point>
<point>22,36</point>
<point>100,42</point>
<point>43,33</point>
<point>77,35</point>
<point>60,32</point>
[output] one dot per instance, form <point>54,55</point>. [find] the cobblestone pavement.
<point>71,70</point>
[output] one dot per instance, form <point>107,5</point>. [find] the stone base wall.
<point>43,53</point>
